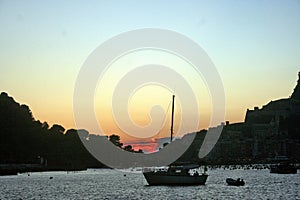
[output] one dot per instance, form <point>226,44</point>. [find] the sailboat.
<point>175,175</point>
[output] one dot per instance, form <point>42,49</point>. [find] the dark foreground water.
<point>112,184</point>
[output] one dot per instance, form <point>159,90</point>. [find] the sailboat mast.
<point>172,120</point>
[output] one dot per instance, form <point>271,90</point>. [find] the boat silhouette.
<point>188,174</point>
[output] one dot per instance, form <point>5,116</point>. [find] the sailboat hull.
<point>167,179</point>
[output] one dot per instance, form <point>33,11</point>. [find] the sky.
<point>254,45</point>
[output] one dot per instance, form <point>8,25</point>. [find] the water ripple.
<point>111,184</point>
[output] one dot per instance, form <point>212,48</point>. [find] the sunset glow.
<point>255,47</point>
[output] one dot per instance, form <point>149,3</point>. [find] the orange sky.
<point>254,46</point>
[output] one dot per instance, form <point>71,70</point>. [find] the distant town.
<point>266,133</point>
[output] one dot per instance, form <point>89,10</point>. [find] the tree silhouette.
<point>128,148</point>
<point>140,151</point>
<point>24,139</point>
<point>56,128</point>
<point>115,139</point>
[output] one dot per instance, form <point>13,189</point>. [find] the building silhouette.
<point>267,132</point>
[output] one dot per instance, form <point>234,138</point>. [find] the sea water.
<point>115,184</point>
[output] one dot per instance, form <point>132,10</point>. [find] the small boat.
<point>187,174</point>
<point>237,182</point>
<point>175,175</point>
<point>283,166</point>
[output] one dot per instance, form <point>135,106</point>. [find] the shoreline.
<point>20,168</point>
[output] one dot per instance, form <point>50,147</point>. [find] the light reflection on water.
<point>112,184</point>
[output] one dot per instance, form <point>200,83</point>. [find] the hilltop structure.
<point>267,132</point>
<point>273,130</point>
